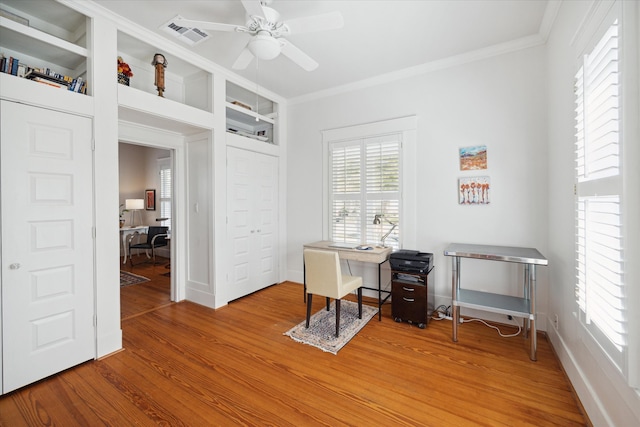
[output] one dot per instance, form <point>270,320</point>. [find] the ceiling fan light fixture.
<point>265,47</point>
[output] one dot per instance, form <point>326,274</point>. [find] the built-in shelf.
<point>185,83</point>
<point>44,36</point>
<point>29,92</point>
<point>161,112</point>
<point>251,115</point>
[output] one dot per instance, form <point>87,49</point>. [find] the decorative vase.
<point>123,80</point>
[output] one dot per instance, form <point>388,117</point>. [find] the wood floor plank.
<point>185,364</point>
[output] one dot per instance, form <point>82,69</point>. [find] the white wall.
<point>603,392</point>
<point>498,102</point>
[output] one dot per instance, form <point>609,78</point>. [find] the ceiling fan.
<point>268,33</point>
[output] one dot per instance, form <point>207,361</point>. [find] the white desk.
<point>524,307</point>
<point>125,232</point>
<point>376,255</point>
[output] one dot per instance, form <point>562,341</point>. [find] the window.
<point>164,166</point>
<point>365,183</point>
<point>600,286</point>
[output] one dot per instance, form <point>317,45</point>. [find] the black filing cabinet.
<point>412,296</point>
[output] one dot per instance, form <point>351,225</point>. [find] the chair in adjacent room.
<point>323,276</point>
<point>156,238</point>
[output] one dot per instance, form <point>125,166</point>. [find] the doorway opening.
<point>145,176</point>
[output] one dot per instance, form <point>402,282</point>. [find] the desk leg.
<point>379,294</point>
<point>304,282</point>
<point>455,286</point>
<point>532,301</point>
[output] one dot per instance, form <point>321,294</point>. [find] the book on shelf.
<point>49,83</point>
<point>78,85</point>
<point>9,65</point>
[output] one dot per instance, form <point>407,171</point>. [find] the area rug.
<point>322,326</point>
<point>127,279</point>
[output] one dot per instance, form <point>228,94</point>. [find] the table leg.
<point>532,298</point>
<point>124,245</point>
<point>526,324</point>
<point>455,287</point>
<point>379,294</point>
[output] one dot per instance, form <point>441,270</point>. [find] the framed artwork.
<point>474,190</point>
<point>150,200</point>
<point>473,158</point>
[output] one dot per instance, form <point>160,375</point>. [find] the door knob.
<point>14,266</point>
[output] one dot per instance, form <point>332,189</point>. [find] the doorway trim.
<point>135,134</point>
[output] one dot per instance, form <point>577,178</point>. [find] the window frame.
<point>601,17</point>
<point>406,127</point>
<point>356,177</point>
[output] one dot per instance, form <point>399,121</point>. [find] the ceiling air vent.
<point>190,36</point>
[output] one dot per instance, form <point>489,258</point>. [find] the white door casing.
<point>47,243</point>
<point>252,220</point>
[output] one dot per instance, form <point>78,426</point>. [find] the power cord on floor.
<point>442,312</point>
<point>495,327</point>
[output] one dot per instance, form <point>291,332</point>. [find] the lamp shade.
<point>134,204</point>
<point>265,47</point>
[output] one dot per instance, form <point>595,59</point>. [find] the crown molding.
<point>452,61</point>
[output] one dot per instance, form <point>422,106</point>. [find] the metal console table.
<point>375,255</point>
<point>524,307</point>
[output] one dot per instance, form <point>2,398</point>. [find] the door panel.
<point>47,243</point>
<point>252,213</point>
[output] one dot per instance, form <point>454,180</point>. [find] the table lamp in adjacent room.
<point>134,205</point>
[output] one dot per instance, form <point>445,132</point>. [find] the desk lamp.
<point>376,221</point>
<point>134,205</point>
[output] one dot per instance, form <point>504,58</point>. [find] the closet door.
<point>47,245</point>
<point>252,180</point>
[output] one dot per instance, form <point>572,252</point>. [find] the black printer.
<point>411,261</point>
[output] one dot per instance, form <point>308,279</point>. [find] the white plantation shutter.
<point>164,166</point>
<point>600,287</point>
<point>345,188</point>
<point>383,187</point>
<point>364,174</point>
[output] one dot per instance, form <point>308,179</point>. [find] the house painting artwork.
<point>473,158</point>
<point>474,191</point>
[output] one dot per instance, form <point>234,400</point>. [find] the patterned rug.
<point>127,278</point>
<point>322,326</point>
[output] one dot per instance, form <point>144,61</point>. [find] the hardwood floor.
<point>144,297</point>
<point>184,364</point>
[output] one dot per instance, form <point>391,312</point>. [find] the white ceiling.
<point>379,37</point>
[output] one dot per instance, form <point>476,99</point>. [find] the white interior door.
<point>47,244</point>
<point>265,219</point>
<point>252,220</point>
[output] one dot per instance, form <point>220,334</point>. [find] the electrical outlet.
<point>555,322</point>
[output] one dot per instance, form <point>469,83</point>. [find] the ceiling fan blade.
<point>204,25</point>
<point>309,24</point>
<point>253,7</point>
<point>243,60</point>
<point>298,56</point>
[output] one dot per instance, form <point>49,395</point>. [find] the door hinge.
<point>93,144</point>
<point>93,232</point>
<point>95,321</point>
